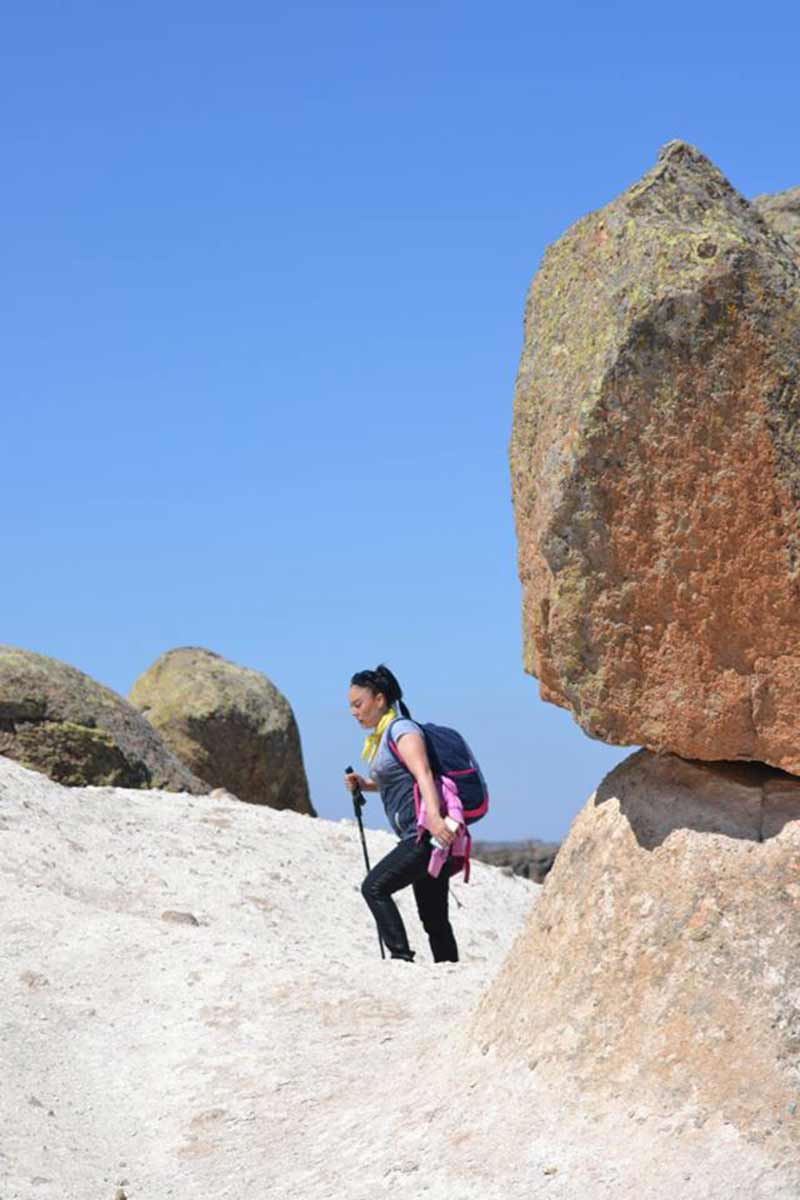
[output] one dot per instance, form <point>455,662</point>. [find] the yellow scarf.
<point>373,739</point>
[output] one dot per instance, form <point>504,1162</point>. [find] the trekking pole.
<point>358,804</point>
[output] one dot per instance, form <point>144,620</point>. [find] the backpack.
<point>451,758</point>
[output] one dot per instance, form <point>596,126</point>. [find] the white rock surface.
<point>267,1051</point>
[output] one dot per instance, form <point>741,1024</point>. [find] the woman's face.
<point>366,706</point>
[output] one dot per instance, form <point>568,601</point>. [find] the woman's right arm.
<point>363,784</point>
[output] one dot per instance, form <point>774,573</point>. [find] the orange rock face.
<point>656,472</point>
<point>660,960</point>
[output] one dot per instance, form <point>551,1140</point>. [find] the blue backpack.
<point>450,756</point>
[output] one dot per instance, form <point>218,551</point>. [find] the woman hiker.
<point>376,703</point>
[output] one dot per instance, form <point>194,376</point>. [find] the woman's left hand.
<point>441,831</point>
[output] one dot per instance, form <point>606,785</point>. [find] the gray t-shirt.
<point>395,782</point>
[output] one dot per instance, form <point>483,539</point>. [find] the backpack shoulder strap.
<point>390,742</point>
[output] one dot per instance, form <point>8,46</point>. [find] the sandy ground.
<point>257,1046</point>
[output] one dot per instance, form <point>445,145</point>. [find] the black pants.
<point>408,864</point>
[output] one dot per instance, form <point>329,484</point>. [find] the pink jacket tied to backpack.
<point>463,795</point>
<point>449,806</point>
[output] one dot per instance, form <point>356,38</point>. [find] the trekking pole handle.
<point>356,793</point>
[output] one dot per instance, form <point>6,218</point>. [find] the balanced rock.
<point>229,724</point>
<point>781,211</point>
<point>56,720</point>
<point>660,962</point>
<point>655,462</point>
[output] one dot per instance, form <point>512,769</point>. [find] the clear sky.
<point>264,270</point>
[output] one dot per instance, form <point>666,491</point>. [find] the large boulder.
<point>229,724</point>
<point>655,463</point>
<point>56,720</point>
<point>660,963</point>
<point>781,211</point>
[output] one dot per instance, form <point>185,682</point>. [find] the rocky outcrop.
<point>661,957</point>
<point>56,720</point>
<point>781,211</point>
<point>229,724</point>
<point>531,859</point>
<point>656,471</point>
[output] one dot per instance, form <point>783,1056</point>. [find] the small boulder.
<point>56,720</point>
<point>229,724</point>
<point>179,918</point>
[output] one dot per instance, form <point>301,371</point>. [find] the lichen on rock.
<point>229,724</point>
<point>57,720</point>
<point>781,211</point>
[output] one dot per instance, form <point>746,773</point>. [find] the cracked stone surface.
<point>655,462</point>
<point>662,955</point>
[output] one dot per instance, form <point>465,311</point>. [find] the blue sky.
<point>263,279</point>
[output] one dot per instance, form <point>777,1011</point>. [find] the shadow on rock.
<point>737,800</point>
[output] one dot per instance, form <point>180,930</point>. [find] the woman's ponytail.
<point>387,683</point>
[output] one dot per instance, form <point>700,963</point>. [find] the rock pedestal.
<point>662,959</point>
<point>229,724</point>
<point>656,471</point>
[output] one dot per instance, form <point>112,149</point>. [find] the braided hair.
<point>382,681</point>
